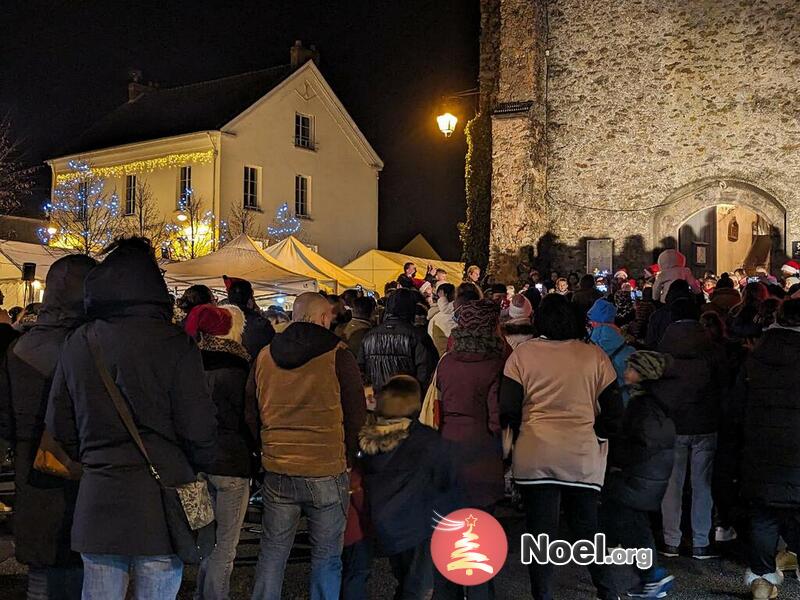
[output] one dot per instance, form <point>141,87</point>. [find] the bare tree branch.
<point>146,220</point>
<point>194,235</point>
<point>16,180</point>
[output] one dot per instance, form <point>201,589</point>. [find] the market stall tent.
<point>420,246</point>
<point>379,266</point>
<point>243,258</point>
<point>292,254</point>
<point>12,256</point>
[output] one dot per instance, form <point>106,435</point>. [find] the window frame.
<point>184,183</point>
<point>255,191</point>
<point>305,191</point>
<point>300,141</point>
<point>130,195</point>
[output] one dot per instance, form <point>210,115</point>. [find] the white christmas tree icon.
<point>465,556</point>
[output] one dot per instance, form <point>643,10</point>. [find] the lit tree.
<point>146,220</point>
<point>283,225</point>
<point>16,181</point>
<point>193,235</point>
<point>82,216</point>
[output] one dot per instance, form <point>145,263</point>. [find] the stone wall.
<point>648,96</point>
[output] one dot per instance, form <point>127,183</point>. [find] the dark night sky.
<point>64,63</point>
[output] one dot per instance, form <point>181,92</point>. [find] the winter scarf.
<point>212,343</point>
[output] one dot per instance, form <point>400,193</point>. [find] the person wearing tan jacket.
<point>306,406</point>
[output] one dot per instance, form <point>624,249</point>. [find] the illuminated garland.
<point>285,224</point>
<point>137,166</point>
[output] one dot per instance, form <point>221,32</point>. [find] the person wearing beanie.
<point>396,346</point>
<point>607,335</point>
<point>693,389</point>
<point>44,504</point>
<point>639,466</point>
<point>120,525</point>
<point>258,331</point>
<point>407,476</point>
<point>723,297</point>
<point>518,328</point>
<point>672,267</point>
<point>218,331</point>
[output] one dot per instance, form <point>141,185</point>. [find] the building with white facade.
<point>255,141</point>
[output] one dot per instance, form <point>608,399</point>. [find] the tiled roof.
<point>165,112</point>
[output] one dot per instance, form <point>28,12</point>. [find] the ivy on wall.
<point>474,231</point>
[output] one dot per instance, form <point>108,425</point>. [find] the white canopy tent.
<point>243,258</point>
<point>297,257</point>
<point>12,256</point>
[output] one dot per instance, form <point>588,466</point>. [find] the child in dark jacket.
<point>639,467</point>
<point>407,477</point>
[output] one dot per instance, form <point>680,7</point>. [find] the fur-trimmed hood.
<point>521,326</point>
<point>383,435</point>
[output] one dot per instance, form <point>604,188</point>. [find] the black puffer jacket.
<point>227,366</point>
<point>693,386</point>
<point>44,504</point>
<point>397,347</point>
<point>641,460</point>
<point>258,332</point>
<point>159,371</point>
<point>767,408</point>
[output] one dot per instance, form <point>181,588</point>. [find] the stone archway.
<point>708,192</point>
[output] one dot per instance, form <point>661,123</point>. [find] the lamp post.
<point>447,121</point>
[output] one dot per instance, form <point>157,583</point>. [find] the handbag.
<point>52,459</point>
<point>188,510</point>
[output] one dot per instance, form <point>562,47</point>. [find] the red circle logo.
<point>469,546</point>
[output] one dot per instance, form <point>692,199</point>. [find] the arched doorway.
<point>722,224</point>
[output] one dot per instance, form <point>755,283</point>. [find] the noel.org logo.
<point>469,546</point>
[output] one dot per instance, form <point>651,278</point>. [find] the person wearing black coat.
<point>692,389</point>
<point>44,504</point>
<point>764,422</point>
<point>218,330</point>
<point>119,524</point>
<point>639,467</point>
<point>407,476</point>
<point>586,294</point>
<point>662,317</point>
<point>396,346</point>
<point>258,331</point>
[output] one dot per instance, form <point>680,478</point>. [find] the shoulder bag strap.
<point>120,403</point>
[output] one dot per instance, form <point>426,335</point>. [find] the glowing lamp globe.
<point>181,217</point>
<point>52,230</point>
<point>447,123</point>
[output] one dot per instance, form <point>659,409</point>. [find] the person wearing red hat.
<point>218,331</point>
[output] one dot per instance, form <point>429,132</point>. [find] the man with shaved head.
<point>307,395</point>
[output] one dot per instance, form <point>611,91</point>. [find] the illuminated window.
<point>130,194</point>
<point>250,196</point>
<point>303,131</point>
<point>184,184</point>
<point>301,196</point>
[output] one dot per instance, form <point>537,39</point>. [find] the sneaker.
<point>654,589</point>
<point>761,589</point>
<point>725,534</point>
<point>671,551</point>
<point>703,553</point>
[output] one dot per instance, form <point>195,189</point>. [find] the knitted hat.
<point>399,397</point>
<point>520,307</point>
<point>478,313</point>
<point>602,311</point>
<point>209,319</point>
<point>649,365</point>
<point>426,288</point>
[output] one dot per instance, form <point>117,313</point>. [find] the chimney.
<point>300,55</point>
<point>135,86</point>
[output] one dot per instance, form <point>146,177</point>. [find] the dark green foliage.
<point>474,231</point>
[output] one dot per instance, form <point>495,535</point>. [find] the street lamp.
<point>447,123</point>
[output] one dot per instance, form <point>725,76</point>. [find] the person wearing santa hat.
<point>519,326</point>
<point>218,331</point>
<point>790,269</point>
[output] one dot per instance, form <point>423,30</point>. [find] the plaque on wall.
<point>796,250</point>
<point>700,253</point>
<point>599,255</point>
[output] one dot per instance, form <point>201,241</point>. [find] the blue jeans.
<point>700,450</point>
<point>229,496</point>
<point>324,501</point>
<point>106,576</point>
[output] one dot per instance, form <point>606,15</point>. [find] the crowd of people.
<point>585,398</point>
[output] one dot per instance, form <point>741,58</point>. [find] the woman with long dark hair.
<point>559,395</point>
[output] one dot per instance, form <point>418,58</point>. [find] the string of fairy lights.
<point>286,224</point>
<point>134,167</point>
